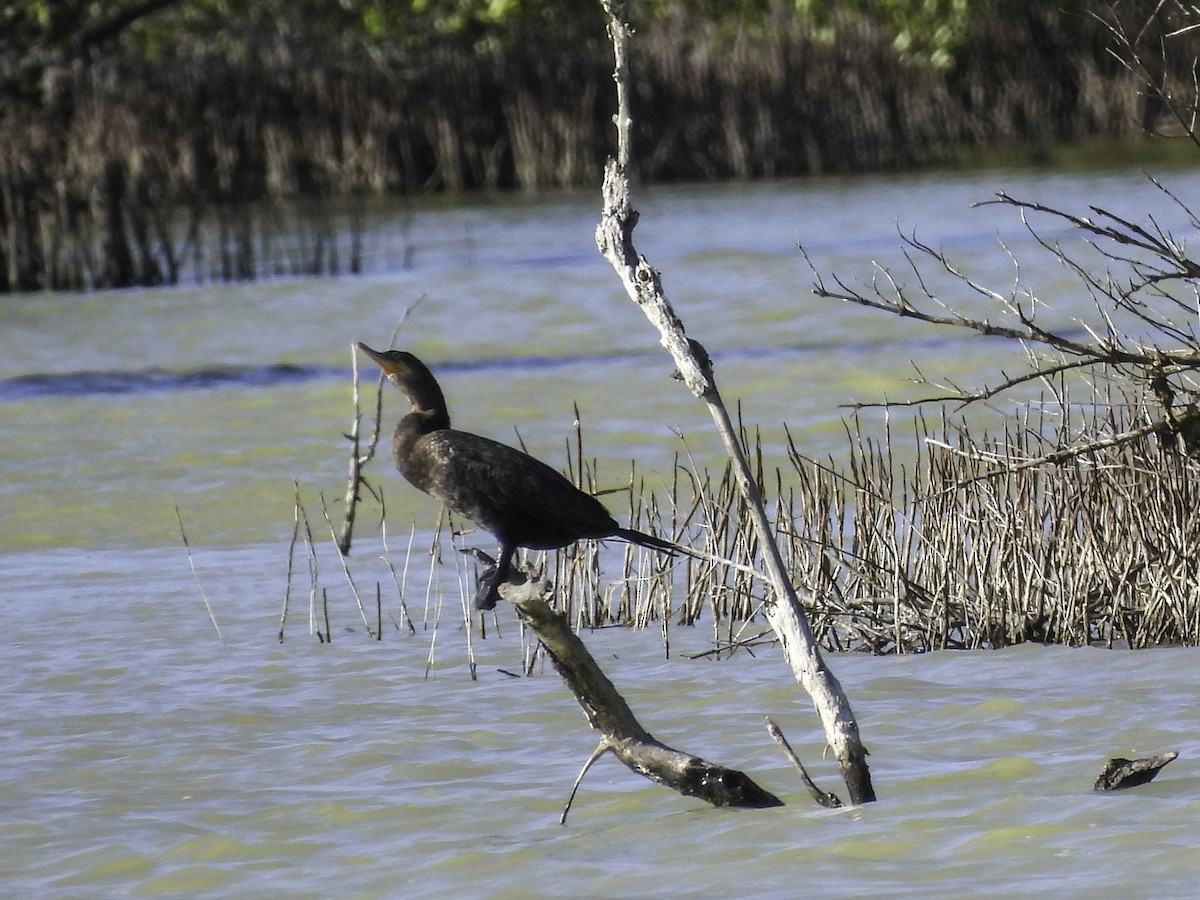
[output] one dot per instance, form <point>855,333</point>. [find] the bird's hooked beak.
<point>389,362</point>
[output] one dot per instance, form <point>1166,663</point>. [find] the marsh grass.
<point>940,544</point>
<point>946,547</point>
<point>956,550</point>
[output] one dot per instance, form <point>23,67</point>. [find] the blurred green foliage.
<point>924,30</point>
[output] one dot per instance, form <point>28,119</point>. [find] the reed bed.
<point>949,543</point>
<point>956,547</point>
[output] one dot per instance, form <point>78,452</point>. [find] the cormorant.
<point>522,501</point>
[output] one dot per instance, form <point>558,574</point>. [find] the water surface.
<point>144,755</point>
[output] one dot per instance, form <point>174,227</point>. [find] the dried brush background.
<point>956,550</point>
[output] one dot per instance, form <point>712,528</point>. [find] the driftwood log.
<point>614,238</point>
<point>1119,772</point>
<point>608,713</point>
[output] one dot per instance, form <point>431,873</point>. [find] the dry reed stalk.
<point>291,557</point>
<point>345,567</point>
<point>433,593</point>
<point>311,553</point>
<point>466,605</point>
<point>196,575</point>
<point>398,580</point>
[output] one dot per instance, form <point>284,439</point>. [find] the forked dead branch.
<point>784,611</point>
<point>1140,336</point>
<point>606,710</point>
<point>1075,524</point>
<point>1140,280</point>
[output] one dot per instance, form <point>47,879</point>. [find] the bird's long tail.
<point>670,547</point>
<point>654,543</point>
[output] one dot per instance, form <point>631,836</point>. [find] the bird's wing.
<point>510,493</point>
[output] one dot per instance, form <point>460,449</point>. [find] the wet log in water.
<point>607,711</point>
<point>1126,773</point>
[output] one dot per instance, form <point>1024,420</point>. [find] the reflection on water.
<point>73,384</point>
<point>142,755</point>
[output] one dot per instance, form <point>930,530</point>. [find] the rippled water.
<point>144,755</point>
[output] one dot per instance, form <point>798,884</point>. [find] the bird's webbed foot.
<point>488,594</point>
<point>493,576</point>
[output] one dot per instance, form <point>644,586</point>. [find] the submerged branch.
<point>825,798</point>
<point>1119,773</point>
<point>607,711</point>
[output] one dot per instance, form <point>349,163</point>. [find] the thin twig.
<point>196,575</point>
<point>358,456</point>
<point>826,799</point>
<point>600,750</point>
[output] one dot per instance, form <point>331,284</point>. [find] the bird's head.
<point>409,374</point>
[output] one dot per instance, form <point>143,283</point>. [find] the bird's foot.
<point>487,596</point>
<point>480,557</point>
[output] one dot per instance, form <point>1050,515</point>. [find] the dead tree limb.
<point>607,711</point>
<point>1120,773</point>
<point>825,798</point>
<point>614,237</point>
<point>1157,356</point>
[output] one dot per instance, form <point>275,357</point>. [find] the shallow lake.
<point>144,754</point>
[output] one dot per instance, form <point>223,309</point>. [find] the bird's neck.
<point>423,421</point>
<point>427,400</point>
<point>412,428</point>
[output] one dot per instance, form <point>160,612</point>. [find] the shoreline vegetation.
<point>237,146</point>
<point>949,551</point>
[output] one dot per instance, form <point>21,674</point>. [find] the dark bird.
<point>519,499</point>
